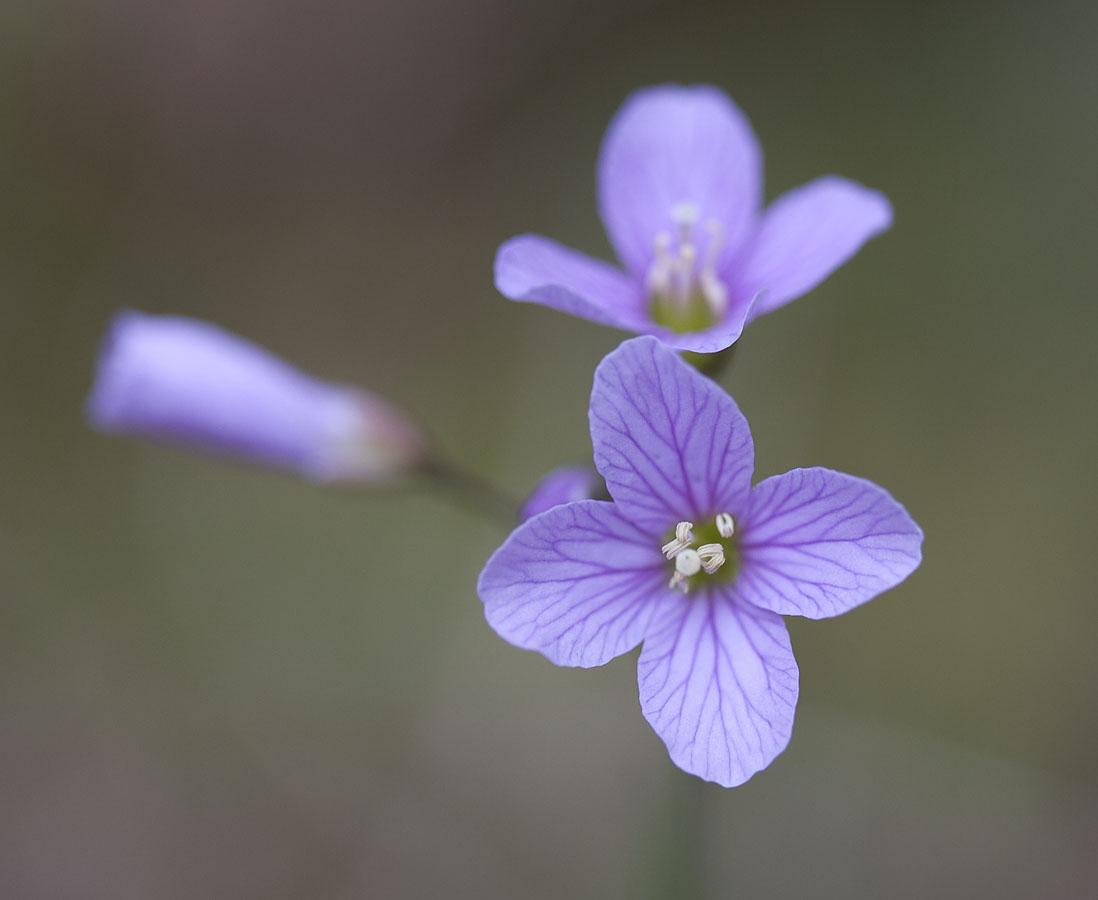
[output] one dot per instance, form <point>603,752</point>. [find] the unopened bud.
<point>191,383</point>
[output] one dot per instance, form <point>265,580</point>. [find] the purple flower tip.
<point>564,485</point>
<point>680,193</point>
<point>694,563</point>
<point>191,383</point>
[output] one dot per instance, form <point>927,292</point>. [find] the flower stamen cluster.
<point>683,295</point>
<point>708,558</point>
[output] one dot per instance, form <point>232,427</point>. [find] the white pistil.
<point>683,538</point>
<point>684,274</point>
<point>685,215</point>
<point>689,562</point>
<point>726,525</point>
<point>711,557</point>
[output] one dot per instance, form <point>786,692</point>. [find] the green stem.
<point>469,489</point>
<point>681,850</point>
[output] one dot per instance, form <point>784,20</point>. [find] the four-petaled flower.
<point>680,190</point>
<point>695,563</point>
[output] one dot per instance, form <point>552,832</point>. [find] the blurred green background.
<point>218,682</point>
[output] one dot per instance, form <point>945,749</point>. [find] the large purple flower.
<point>695,563</point>
<point>680,191</point>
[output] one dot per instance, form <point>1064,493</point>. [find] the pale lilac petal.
<point>669,442</point>
<point>672,145</point>
<point>578,583</point>
<point>191,383</point>
<point>817,543</point>
<point>564,485</point>
<point>804,236</point>
<point>534,269</point>
<point>712,340</point>
<point>718,683</point>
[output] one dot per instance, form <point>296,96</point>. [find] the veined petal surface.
<point>669,442</point>
<point>673,145</point>
<point>534,269</point>
<point>804,236</point>
<point>578,583</point>
<point>718,683</point>
<point>817,543</point>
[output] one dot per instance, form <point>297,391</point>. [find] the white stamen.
<point>683,538</point>
<point>716,238</point>
<point>662,245</point>
<point>711,557</point>
<point>726,525</point>
<point>712,289</point>
<point>678,581</point>
<point>714,292</point>
<point>688,562</point>
<point>659,273</point>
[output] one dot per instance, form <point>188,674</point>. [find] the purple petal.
<point>672,145</point>
<point>191,383</point>
<point>564,485</point>
<point>805,235</point>
<point>578,583</point>
<point>714,339</point>
<point>669,442</point>
<point>534,269</point>
<point>718,683</point>
<point>817,543</point>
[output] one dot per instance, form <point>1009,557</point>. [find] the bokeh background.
<point>219,682</point>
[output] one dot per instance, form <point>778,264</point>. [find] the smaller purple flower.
<point>695,563</point>
<point>680,193</point>
<point>191,383</point>
<point>563,485</point>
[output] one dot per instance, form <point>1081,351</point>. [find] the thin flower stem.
<point>471,490</point>
<point>677,873</point>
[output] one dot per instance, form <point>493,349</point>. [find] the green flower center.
<point>693,315</point>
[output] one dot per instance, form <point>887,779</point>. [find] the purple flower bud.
<point>191,383</point>
<point>564,485</point>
